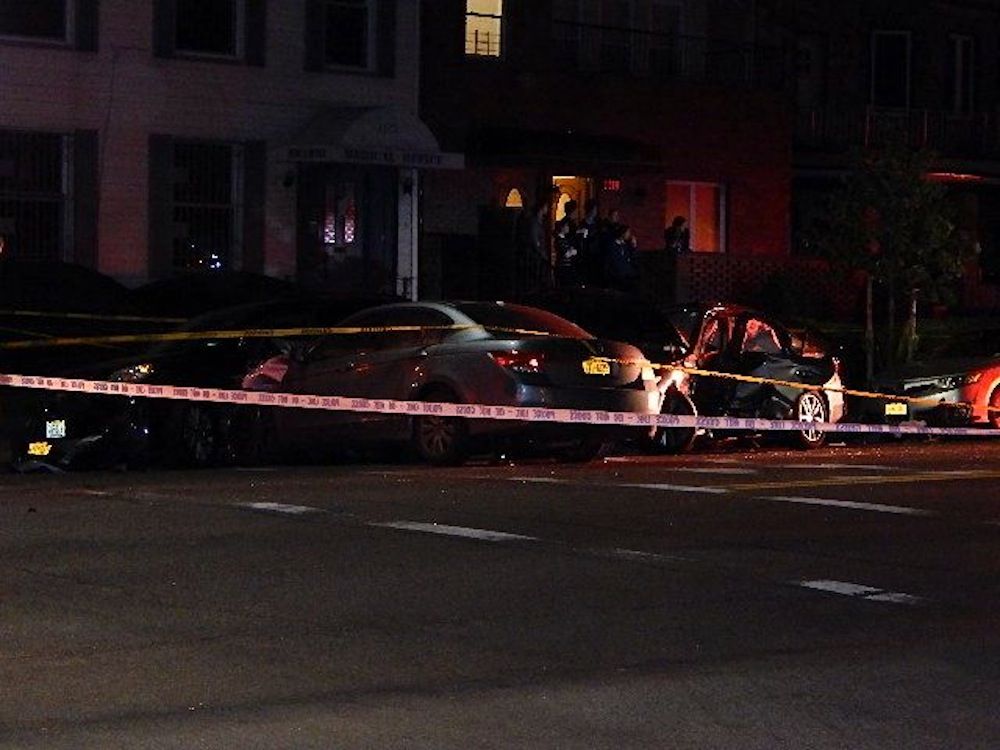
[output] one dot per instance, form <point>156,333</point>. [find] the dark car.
<point>42,300</point>
<point>69,430</point>
<point>193,294</point>
<point>728,338</point>
<point>487,353</point>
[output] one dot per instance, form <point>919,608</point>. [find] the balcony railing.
<point>648,54</point>
<point>963,136</point>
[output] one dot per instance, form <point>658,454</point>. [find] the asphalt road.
<point>844,598</point>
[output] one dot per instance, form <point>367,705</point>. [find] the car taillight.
<point>521,362</point>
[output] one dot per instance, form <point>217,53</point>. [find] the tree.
<point>889,220</point>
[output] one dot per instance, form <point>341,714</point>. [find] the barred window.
<point>207,206</point>
<point>209,27</point>
<point>34,195</point>
<point>35,19</point>
<point>349,33</point>
<point>483,28</point>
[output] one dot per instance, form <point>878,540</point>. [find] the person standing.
<point>589,244</point>
<point>567,252</point>
<point>677,237</point>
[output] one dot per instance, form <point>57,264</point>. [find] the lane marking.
<point>631,555</point>
<point>463,532</point>
<point>860,591</point>
<point>858,467</point>
<point>717,470</point>
<point>850,504</point>
<point>536,480</point>
<point>291,510</point>
<point>882,479</point>
<point>678,488</point>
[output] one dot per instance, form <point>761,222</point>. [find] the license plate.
<point>55,428</point>
<point>39,449</point>
<point>895,410</point>
<point>595,366</point>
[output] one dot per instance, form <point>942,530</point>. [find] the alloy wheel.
<point>811,408</point>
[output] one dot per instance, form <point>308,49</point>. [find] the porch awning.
<point>371,135</point>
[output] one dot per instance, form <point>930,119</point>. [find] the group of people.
<point>593,250</point>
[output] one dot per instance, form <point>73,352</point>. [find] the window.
<point>349,34</point>
<point>36,19</point>
<point>962,74</point>
<point>483,28</point>
<point>704,206</point>
<point>207,206</point>
<point>209,27</point>
<point>35,205</point>
<point>891,69</point>
<point>760,338</point>
<point>514,199</point>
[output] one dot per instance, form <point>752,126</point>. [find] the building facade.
<point>146,138</point>
<point>655,108</point>
<point>925,72</point>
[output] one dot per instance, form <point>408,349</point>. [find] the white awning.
<point>371,135</point>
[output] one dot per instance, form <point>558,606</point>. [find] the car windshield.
<point>498,318</point>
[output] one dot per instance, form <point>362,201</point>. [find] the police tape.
<point>411,408</point>
<point>87,316</point>
<point>249,333</point>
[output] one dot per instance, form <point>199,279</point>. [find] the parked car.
<point>625,317</point>
<point>192,294</point>
<point>463,352</point>
<point>961,385</point>
<point>70,430</point>
<point>42,300</point>
<point>729,338</point>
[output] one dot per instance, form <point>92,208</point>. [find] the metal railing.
<point>665,56</point>
<point>950,134</point>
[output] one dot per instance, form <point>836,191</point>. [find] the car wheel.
<point>674,440</point>
<point>193,436</point>
<point>584,450</point>
<point>993,415</point>
<point>442,441</point>
<point>811,407</point>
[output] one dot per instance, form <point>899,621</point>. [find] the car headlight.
<point>134,374</point>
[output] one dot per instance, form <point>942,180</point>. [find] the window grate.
<point>34,195</point>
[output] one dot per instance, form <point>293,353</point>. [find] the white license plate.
<point>895,410</point>
<point>55,428</point>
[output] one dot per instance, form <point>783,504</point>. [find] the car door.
<point>712,352</point>
<point>761,352</point>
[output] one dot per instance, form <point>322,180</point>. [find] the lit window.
<point>483,27</point>
<point>349,33</point>
<point>704,206</point>
<point>35,19</point>
<point>208,27</point>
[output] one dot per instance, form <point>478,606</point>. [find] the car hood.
<point>939,367</point>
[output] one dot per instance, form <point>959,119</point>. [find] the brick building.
<point>654,108</point>
<point>149,137</point>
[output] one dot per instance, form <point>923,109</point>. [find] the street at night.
<point>844,597</point>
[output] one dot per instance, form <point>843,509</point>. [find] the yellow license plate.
<point>39,449</point>
<point>895,410</point>
<point>595,366</point>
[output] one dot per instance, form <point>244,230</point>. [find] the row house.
<point>925,71</point>
<point>146,138</point>
<point>655,108</point>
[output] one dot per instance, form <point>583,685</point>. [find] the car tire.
<point>442,441</point>
<point>811,406</point>
<point>192,436</point>
<point>584,450</point>
<point>993,414</point>
<point>674,440</point>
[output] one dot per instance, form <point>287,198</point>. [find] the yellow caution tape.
<point>87,316</point>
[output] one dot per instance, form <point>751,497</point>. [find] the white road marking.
<point>292,510</point>
<point>536,480</point>
<point>484,535</point>
<point>639,556</point>
<point>679,488</point>
<point>860,591</point>
<point>849,504</point>
<point>853,467</point>
<point>717,470</point>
